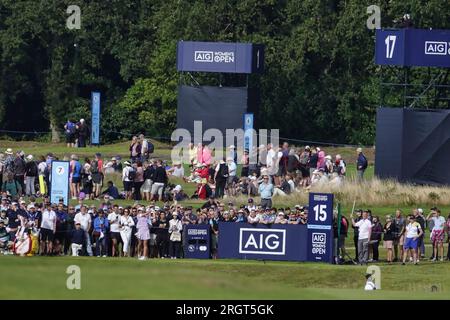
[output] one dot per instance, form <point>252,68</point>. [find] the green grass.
<point>109,278</point>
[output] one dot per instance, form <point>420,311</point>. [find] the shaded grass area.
<point>109,278</point>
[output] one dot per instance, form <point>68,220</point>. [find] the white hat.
<point>199,165</point>
<point>229,159</point>
<point>177,188</point>
<point>30,207</point>
<point>175,213</point>
<point>81,120</point>
<point>359,150</point>
<point>127,163</point>
<point>420,210</point>
<point>232,147</point>
<point>30,157</point>
<point>9,151</point>
<point>113,159</point>
<point>328,157</point>
<point>262,146</point>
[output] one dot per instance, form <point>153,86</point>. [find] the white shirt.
<point>271,158</point>
<point>48,220</point>
<point>439,223</point>
<point>114,219</point>
<point>292,185</point>
<point>83,219</point>
<point>251,219</point>
<point>126,223</point>
<point>178,172</point>
<point>364,228</point>
<point>412,229</point>
<point>232,169</point>
<point>125,173</point>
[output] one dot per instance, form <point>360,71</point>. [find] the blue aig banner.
<point>413,47</point>
<point>320,233</point>
<point>95,131</point>
<point>268,242</point>
<point>220,57</point>
<point>59,182</point>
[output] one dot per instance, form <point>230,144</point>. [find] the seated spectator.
<point>253,218</point>
<point>268,217</point>
<point>281,219</point>
<point>177,170</point>
<point>112,191</point>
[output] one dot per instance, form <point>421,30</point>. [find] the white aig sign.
<point>320,232</point>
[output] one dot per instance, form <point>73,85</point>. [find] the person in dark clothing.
<point>292,162</point>
<point>375,237</point>
<point>361,164</point>
<point>19,170</point>
<point>313,159</point>
<point>220,178</point>
<point>31,172</point>
<point>356,234</point>
<point>112,191</point>
<point>420,220</point>
<point>211,202</point>
<point>77,236</point>
<point>70,227</point>
<point>61,229</point>
<point>389,237</point>
<point>82,133</point>
<point>159,179</point>
<point>161,228</point>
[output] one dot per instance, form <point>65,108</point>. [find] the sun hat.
<point>9,151</point>
<point>113,159</point>
<point>127,163</point>
<point>30,157</point>
<point>359,150</point>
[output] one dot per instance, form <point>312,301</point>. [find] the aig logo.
<point>203,56</point>
<point>436,48</point>
<point>262,241</point>
<point>210,56</point>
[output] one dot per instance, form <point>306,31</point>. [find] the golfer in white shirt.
<point>365,230</point>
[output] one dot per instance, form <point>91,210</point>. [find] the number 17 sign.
<point>320,227</point>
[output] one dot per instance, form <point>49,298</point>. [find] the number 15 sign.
<point>320,227</point>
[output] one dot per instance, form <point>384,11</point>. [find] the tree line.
<point>320,80</point>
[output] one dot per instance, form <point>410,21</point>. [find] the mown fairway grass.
<point>113,278</point>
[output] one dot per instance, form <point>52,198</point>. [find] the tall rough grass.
<point>376,192</point>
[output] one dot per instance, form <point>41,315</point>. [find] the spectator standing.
<point>82,132</point>
<point>364,233</point>
<point>437,234</point>
<point>175,228</point>
<point>61,229</point>
<point>128,174</point>
<point>97,174</point>
<point>126,225</point>
<point>412,232</point>
<point>159,181</point>
<point>389,236</point>
<point>101,225</point>
<point>162,235</point>
<point>220,178</point>
<point>135,149</point>
<point>114,231</point>
<point>75,176</point>
<point>85,220</point>
<point>266,191</point>
<point>47,231</point>
<point>399,224</point>
<point>19,170</point>
<point>31,172</point>
<point>377,231</point>
<point>339,166</point>
<point>420,220</point>
<point>69,130</point>
<point>361,165</point>
<point>138,180</point>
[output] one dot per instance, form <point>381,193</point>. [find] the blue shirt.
<point>266,190</point>
<point>98,222</point>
